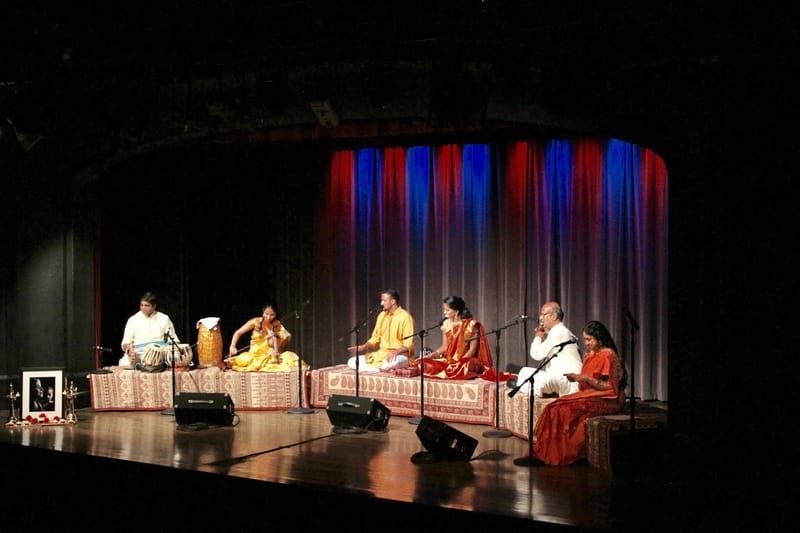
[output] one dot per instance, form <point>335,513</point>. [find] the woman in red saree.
<point>560,432</point>
<point>456,358</point>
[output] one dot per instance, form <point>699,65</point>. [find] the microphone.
<point>305,303</point>
<point>523,318</point>
<point>562,344</point>
<point>166,336</point>
<point>106,350</point>
<point>376,308</point>
<point>437,325</point>
<point>297,311</point>
<point>631,320</point>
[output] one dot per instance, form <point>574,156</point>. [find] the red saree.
<point>453,364</point>
<point>560,432</point>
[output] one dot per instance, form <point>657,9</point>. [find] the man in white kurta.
<point>552,336</point>
<point>147,326</point>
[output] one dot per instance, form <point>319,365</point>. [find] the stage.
<point>144,471</point>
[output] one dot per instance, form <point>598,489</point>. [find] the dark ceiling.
<point>89,83</point>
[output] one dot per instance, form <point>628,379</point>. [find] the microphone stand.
<point>168,337</point>
<point>98,358</point>
<point>300,410</point>
<point>530,461</point>
<point>422,334</point>
<point>634,327</point>
<point>355,330</point>
<point>497,432</point>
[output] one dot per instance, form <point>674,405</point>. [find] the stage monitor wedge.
<point>215,408</point>
<point>357,413</point>
<point>443,442</point>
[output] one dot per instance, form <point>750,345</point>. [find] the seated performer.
<point>560,432</point>
<point>145,328</point>
<point>551,336</point>
<point>455,358</point>
<point>269,341</point>
<point>392,341</point>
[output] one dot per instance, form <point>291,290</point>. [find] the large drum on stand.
<point>209,342</point>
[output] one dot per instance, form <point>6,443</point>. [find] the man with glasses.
<point>552,337</point>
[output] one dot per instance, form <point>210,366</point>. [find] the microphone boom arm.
<point>422,332</point>
<point>544,363</point>
<point>514,322</point>
<point>362,323</point>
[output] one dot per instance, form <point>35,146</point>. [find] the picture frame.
<point>42,393</point>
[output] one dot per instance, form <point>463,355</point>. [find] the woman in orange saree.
<point>560,432</point>
<point>464,353</point>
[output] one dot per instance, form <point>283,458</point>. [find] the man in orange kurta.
<point>391,344</point>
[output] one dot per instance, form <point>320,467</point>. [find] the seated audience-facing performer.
<point>464,353</point>
<point>392,342</point>
<point>560,431</point>
<point>146,332</point>
<point>268,349</point>
<point>550,337</point>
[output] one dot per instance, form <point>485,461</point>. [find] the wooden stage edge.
<point>142,471</point>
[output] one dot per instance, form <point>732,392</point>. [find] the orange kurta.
<point>560,432</point>
<point>453,364</point>
<point>392,330</point>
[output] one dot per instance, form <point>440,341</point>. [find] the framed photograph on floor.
<point>42,392</point>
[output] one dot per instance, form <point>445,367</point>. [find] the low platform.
<point>124,389</point>
<point>516,413</point>
<point>606,437</point>
<point>470,401</point>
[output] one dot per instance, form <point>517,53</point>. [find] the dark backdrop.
<point>213,230</point>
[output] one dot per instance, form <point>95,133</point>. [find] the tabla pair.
<point>157,357</point>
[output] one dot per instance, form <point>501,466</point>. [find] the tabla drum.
<point>183,356</point>
<point>151,357</point>
<point>209,342</point>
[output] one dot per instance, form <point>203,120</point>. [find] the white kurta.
<point>551,378</point>
<point>142,329</point>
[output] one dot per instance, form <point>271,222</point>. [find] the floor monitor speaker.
<point>356,412</point>
<point>443,442</point>
<point>204,407</point>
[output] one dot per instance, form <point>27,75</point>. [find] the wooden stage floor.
<point>140,470</point>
